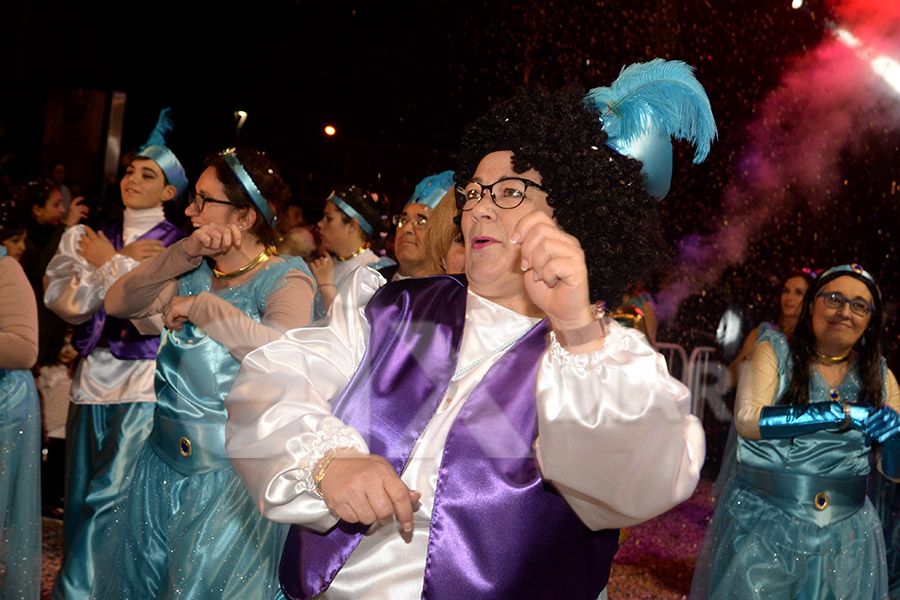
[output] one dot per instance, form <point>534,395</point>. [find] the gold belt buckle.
<point>184,444</point>
<point>822,501</point>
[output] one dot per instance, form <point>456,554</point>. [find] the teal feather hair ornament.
<point>648,104</point>
<point>156,150</point>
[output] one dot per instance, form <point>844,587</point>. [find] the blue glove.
<point>890,457</point>
<point>800,419</point>
<point>882,425</point>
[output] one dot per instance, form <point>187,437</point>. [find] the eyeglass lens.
<point>505,193</point>
<point>417,222</point>
<point>837,300</point>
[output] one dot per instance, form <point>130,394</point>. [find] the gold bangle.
<point>321,466</point>
<point>846,408</point>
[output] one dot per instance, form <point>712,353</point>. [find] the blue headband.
<point>169,164</point>
<point>853,268</point>
<point>244,177</point>
<point>350,212</point>
<point>431,189</point>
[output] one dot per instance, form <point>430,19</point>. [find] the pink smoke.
<point>825,100</point>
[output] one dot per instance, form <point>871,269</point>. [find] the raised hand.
<point>212,240</point>
<point>322,269</point>
<point>77,211</point>
<point>555,271</point>
<point>95,247</point>
<point>365,488</point>
<point>883,425</point>
<point>142,249</point>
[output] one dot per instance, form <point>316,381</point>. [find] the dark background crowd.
<point>804,173</point>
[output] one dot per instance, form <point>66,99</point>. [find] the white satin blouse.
<point>75,290</point>
<point>615,433</point>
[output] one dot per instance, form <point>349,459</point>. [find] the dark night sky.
<point>400,80</point>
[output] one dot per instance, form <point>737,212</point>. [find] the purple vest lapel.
<point>390,400</point>
<point>486,541</point>
<point>125,342</point>
<point>506,533</point>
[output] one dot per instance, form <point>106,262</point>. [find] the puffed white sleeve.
<point>279,409</point>
<point>615,433</point>
<point>75,289</point>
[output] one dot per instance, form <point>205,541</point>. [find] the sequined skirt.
<point>189,537</point>
<point>754,550</point>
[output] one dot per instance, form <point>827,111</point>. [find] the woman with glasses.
<point>189,529</point>
<point>795,521</point>
<point>503,425</point>
<point>353,219</point>
<point>412,225</point>
<point>112,395</point>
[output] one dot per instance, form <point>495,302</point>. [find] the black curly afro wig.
<point>596,194</point>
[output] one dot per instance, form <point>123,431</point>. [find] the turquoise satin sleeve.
<point>882,425</point>
<point>793,420</point>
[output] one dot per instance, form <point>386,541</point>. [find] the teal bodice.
<point>795,522</point>
<point>824,453</point>
<point>194,373</point>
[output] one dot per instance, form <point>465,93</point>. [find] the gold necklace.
<point>352,255</point>
<point>260,259</point>
<point>831,360</point>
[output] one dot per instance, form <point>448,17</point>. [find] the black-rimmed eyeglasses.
<point>508,192</point>
<point>198,201</point>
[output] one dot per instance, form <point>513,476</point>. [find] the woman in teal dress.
<point>795,522</point>
<point>20,437</point>
<point>189,528</point>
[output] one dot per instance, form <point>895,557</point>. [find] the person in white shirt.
<point>112,392</point>
<point>479,436</point>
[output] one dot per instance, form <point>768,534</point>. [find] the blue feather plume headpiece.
<point>648,104</point>
<point>156,150</point>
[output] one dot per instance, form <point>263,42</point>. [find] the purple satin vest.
<point>497,530</point>
<point>125,342</point>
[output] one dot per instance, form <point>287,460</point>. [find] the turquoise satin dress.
<point>20,486</point>
<point>885,495</point>
<point>190,529</point>
<point>795,523</point>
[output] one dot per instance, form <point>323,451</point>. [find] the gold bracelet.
<point>846,408</point>
<point>321,466</point>
<point>581,335</point>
